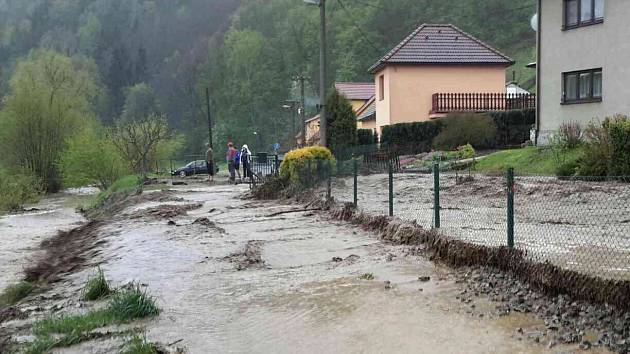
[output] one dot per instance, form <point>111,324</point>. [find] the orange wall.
<point>368,124</point>
<point>409,89</point>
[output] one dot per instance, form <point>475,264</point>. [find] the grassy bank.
<point>529,160</point>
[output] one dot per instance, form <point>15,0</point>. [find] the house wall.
<point>368,124</point>
<point>312,127</point>
<point>356,104</point>
<point>409,89</point>
<point>605,45</point>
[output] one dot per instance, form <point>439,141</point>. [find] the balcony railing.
<point>481,102</point>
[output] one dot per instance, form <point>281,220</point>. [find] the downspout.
<point>538,80</point>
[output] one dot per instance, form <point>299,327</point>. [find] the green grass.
<point>122,185</point>
<point>96,287</point>
<point>124,306</point>
<point>139,345</point>
<point>14,293</point>
<point>529,160</point>
<point>366,276</point>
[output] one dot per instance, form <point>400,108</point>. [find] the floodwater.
<point>256,283</point>
<point>21,234</point>
<point>254,279</point>
<point>582,226</point>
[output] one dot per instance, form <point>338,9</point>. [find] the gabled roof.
<point>368,110</point>
<point>356,90</point>
<point>441,44</point>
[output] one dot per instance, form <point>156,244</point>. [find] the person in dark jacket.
<point>246,160</point>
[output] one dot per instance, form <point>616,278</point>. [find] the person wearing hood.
<point>246,160</point>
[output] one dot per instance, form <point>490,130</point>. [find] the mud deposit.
<point>235,276</point>
<point>581,226</point>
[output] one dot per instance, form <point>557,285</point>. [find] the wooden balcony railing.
<point>481,102</point>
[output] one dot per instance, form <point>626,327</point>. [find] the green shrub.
<point>607,151</point>
<point>462,152</point>
<point>91,158</point>
<point>410,137</point>
<point>466,128</point>
<point>96,287</point>
<point>513,126</point>
<point>567,169</point>
<point>618,128</point>
<point>17,189</point>
<point>303,163</point>
<point>366,137</point>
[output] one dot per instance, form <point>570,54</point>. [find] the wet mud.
<point>235,275</point>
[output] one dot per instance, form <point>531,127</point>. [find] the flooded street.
<point>21,234</point>
<point>258,277</point>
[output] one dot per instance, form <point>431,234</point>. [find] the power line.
<point>363,34</point>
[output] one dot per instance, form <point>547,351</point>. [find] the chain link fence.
<point>581,225</point>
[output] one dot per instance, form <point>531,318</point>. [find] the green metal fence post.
<point>436,195</point>
<point>510,207</point>
<point>391,189</point>
<point>329,180</point>
<point>356,180</point>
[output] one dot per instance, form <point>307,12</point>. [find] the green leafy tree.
<point>341,123</point>
<point>92,158</point>
<point>48,104</point>
<point>140,102</point>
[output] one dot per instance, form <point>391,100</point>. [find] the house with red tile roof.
<point>437,69</point>
<point>358,93</point>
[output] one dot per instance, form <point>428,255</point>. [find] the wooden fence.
<point>481,102</point>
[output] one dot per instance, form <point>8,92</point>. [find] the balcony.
<point>480,102</point>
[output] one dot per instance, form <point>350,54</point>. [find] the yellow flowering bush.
<point>295,165</point>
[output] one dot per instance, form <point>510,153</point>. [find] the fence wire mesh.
<point>581,225</point>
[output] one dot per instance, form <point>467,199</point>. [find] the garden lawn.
<point>529,160</point>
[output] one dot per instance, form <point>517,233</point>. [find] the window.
<point>381,87</point>
<point>579,13</point>
<point>582,86</point>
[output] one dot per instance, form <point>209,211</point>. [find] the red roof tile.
<point>356,90</point>
<point>441,44</point>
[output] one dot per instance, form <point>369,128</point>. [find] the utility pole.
<point>209,118</point>
<point>300,79</point>
<point>322,73</point>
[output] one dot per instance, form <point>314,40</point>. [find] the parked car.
<point>192,168</point>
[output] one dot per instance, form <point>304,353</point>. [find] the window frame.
<point>381,87</point>
<point>590,98</point>
<point>593,21</point>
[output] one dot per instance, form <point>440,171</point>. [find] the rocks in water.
<point>337,259</point>
<point>179,183</point>
<point>424,278</point>
<point>388,284</point>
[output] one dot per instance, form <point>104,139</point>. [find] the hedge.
<point>366,137</point>
<point>410,137</point>
<point>513,126</point>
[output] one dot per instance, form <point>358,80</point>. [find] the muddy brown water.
<point>247,282</point>
<point>21,233</point>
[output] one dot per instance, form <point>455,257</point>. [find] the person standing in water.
<point>246,159</point>
<point>230,155</point>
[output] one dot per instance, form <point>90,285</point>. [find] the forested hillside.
<point>158,56</point>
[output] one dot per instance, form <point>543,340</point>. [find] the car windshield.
<point>191,164</point>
